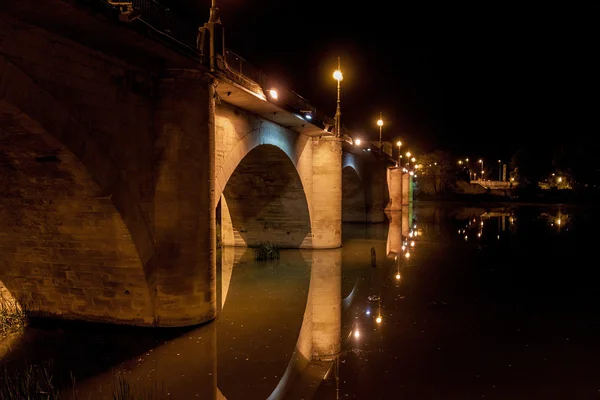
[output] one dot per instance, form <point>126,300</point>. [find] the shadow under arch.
<point>264,201</point>
<point>64,244</point>
<point>354,206</point>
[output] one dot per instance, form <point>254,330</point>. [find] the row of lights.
<point>480,161</point>
<point>339,77</point>
<point>406,246</point>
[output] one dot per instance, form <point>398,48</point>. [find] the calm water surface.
<point>462,303</point>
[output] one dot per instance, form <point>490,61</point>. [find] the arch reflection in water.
<point>277,316</point>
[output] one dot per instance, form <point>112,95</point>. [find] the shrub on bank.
<point>13,315</point>
<point>266,251</point>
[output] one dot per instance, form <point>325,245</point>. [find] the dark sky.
<point>476,80</point>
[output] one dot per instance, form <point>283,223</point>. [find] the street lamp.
<point>481,162</point>
<point>380,124</point>
<point>337,75</point>
<point>399,143</point>
<point>500,170</point>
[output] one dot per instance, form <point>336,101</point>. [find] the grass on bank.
<point>37,383</point>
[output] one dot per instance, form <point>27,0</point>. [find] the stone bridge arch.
<point>263,182</point>
<point>354,206</point>
<point>72,235</point>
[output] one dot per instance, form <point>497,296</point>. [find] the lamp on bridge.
<point>499,170</point>
<point>481,162</point>
<point>337,75</point>
<point>380,125</point>
<point>399,143</point>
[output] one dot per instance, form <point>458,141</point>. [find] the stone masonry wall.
<point>91,151</point>
<point>77,177</point>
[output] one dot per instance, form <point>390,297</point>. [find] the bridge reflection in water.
<point>283,324</point>
<point>276,318</point>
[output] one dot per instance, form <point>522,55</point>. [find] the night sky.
<point>476,81</point>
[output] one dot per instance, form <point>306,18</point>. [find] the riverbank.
<point>517,197</point>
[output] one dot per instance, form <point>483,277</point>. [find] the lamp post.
<point>337,75</point>
<point>481,162</point>
<point>398,143</point>
<point>380,124</point>
<point>500,170</point>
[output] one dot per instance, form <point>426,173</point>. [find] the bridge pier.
<point>183,267</point>
<point>395,188</point>
<point>327,193</point>
<point>407,190</point>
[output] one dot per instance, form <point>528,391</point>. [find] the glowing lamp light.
<point>308,116</point>
<point>273,94</point>
<point>368,312</point>
<point>337,75</point>
<point>407,255</point>
<point>412,244</point>
<point>408,154</point>
<point>357,142</point>
<point>411,173</point>
<point>403,247</point>
<point>379,122</point>
<point>413,159</point>
<point>398,277</point>
<point>398,143</point>
<point>378,319</point>
<point>356,334</point>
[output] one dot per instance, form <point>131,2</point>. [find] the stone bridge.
<point>123,152</point>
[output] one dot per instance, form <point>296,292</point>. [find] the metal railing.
<point>167,23</point>
<point>239,65</point>
<point>164,20</point>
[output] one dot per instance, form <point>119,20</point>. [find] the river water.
<point>456,302</point>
